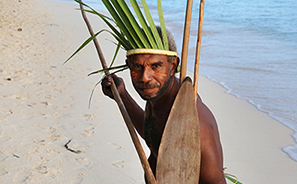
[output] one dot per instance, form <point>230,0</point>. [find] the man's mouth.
<point>144,86</point>
<point>148,90</point>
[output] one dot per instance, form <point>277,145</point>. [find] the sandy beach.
<point>45,104</point>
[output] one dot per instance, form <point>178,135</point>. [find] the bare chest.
<point>154,125</point>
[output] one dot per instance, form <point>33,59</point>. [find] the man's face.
<point>150,75</point>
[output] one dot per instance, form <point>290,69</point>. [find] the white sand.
<point>252,141</point>
<point>44,104</point>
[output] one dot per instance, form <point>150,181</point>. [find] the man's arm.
<point>211,167</point>
<point>211,149</point>
<point>135,112</point>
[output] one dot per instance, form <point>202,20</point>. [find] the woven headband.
<point>151,51</point>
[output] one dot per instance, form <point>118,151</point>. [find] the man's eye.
<point>137,66</point>
<point>155,66</point>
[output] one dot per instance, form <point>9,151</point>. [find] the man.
<point>154,80</point>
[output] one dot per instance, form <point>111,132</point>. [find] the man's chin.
<point>149,97</point>
<point>146,96</point>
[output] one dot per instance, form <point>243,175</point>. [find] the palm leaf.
<point>144,24</point>
<point>108,69</point>
<point>152,25</point>
<point>115,54</point>
<point>93,90</point>
<point>120,23</point>
<point>123,42</point>
<point>134,24</point>
<point>83,45</point>
<point>162,24</point>
<point>127,45</point>
<point>232,179</point>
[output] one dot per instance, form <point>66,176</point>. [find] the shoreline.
<point>270,114</point>
<point>45,104</point>
<point>250,136</point>
<point>290,149</point>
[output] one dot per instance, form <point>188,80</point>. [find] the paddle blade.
<point>179,151</point>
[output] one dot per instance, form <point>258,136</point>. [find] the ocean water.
<point>249,47</point>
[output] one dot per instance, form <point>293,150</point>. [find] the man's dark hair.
<point>171,44</point>
<point>170,38</point>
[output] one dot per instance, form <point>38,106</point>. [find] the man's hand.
<point>106,85</point>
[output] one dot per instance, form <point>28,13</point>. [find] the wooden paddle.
<point>147,169</point>
<point>179,152</point>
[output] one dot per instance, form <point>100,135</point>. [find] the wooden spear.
<point>198,47</point>
<point>147,169</point>
<point>185,47</point>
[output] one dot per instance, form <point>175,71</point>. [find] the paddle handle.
<point>198,47</point>
<point>147,169</point>
<point>185,46</point>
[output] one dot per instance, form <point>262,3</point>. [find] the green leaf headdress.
<point>132,37</point>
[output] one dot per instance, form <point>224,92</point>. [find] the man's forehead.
<point>149,57</point>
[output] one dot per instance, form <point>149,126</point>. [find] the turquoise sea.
<point>249,47</point>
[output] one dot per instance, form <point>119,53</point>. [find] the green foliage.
<point>152,25</point>
<point>126,29</point>
<point>232,179</point>
<point>144,24</point>
<point>162,23</point>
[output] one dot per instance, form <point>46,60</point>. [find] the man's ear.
<point>174,65</point>
<point>127,62</point>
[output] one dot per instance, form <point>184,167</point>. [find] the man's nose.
<point>147,75</point>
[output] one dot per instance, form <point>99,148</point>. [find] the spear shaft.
<point>185,47</point>
<point>198,47</point>
<point>147,169</point>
